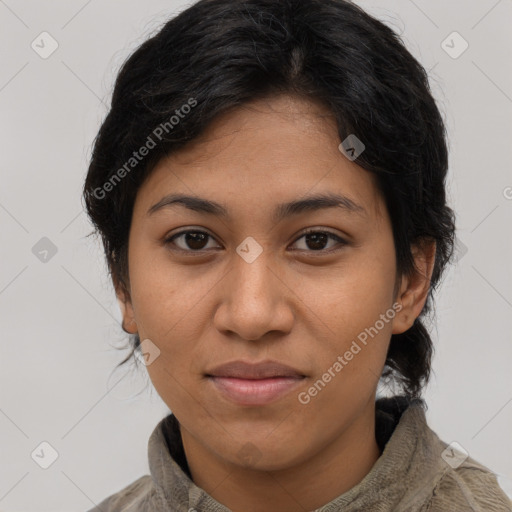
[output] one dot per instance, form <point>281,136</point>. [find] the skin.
<point>294,304</point>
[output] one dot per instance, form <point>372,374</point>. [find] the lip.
<point>261,370</point>
<point>255,391</point>
<point>254,383</point>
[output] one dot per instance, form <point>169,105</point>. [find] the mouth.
<point>254,384</point>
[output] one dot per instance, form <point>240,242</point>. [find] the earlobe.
<point>129,324</point>
<point>401,321</point>
<point>415,288</point>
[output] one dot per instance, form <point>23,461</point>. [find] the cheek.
<point>163,295</point>
<point>349,366</point>
<point>355,295</point>
<point>173,311</point>
<point>356,308</point>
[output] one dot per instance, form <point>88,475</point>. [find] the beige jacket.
<point>416,472</point>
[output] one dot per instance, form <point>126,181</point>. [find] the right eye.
<point>190,240</point>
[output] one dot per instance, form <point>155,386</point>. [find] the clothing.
<point>411,474</point>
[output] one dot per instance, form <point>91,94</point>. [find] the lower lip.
<point>255,391</point>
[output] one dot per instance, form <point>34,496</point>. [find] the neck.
<point>308,485</point>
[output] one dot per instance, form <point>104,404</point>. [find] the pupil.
<point>193,238</point>
<point>317,245</point>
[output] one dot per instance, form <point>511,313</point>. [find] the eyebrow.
<point>308,204</point>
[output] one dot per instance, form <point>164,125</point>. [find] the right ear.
<point>129,324</point>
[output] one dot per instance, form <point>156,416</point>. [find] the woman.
<point>269,186</point>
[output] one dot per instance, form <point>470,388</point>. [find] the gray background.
<point>60,320</point>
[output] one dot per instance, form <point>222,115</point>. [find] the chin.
<point>264,456</point>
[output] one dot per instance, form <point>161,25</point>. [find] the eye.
<point>194,241</point>
<point>315,240</point>
<point>197,241</point>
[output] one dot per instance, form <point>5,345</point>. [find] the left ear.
<point>414,289</point>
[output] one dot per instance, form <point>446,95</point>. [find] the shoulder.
<point>137,496</point>
<point>470,487</point>
<point>443,476</point>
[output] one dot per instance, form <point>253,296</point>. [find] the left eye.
<point>196,241</point>
<point>317,239</point>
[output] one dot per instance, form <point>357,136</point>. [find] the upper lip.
<point>262,370</point>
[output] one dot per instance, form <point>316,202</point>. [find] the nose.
<point>255,300</point>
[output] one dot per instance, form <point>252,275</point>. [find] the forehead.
<point>266,152</point>
<point>275,120</point>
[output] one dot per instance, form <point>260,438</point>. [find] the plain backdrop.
<point>59,317</point>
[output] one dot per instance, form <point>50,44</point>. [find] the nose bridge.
<point>252,279</point>
<point>252,302</point>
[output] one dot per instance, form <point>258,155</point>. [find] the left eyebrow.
<point>308,204</point>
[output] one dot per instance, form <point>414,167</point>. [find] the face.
<point>301,288</point>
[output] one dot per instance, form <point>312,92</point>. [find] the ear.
<point>414,289</point>
<point>123,297</point>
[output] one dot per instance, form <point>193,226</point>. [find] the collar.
<point>409,467</point>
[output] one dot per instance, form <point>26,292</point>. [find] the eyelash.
<point>341,241</point>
